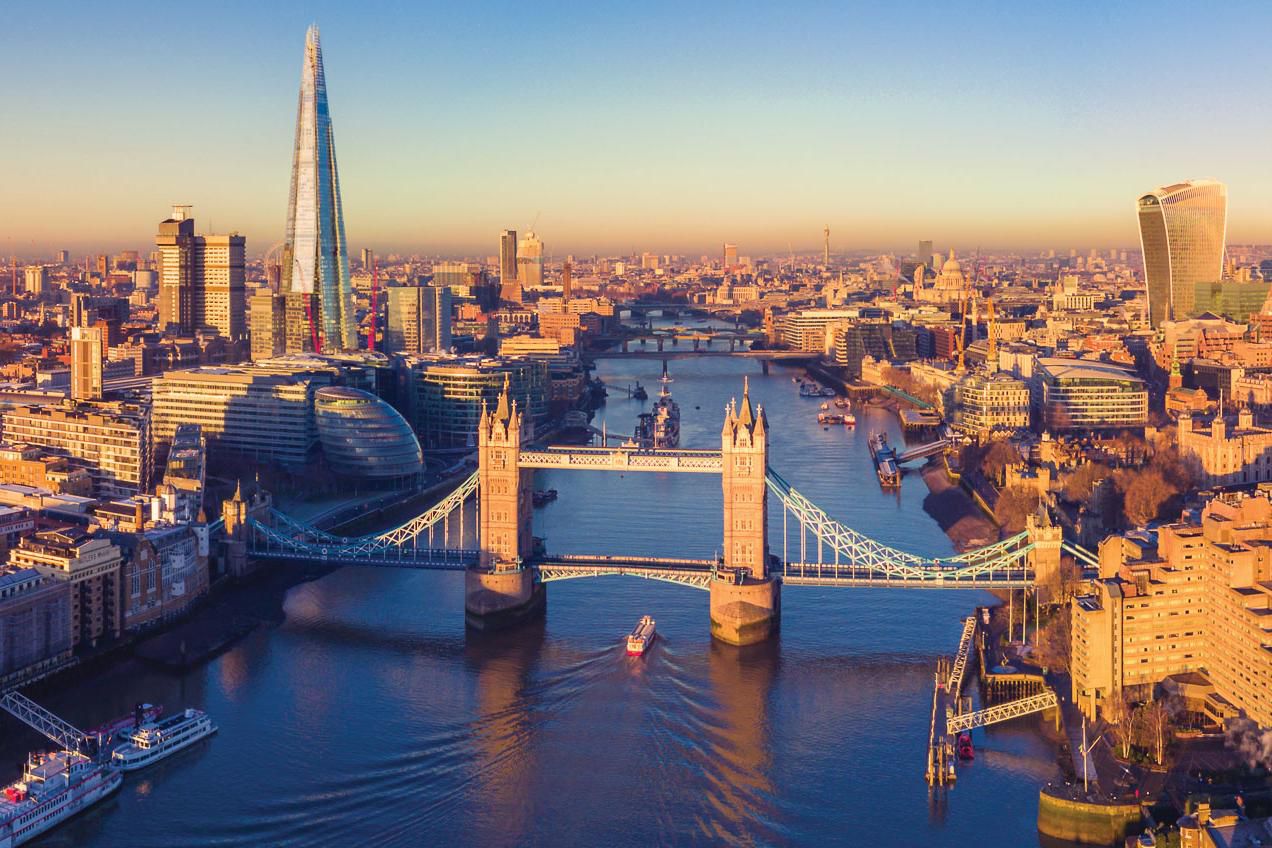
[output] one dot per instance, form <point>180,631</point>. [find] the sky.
<point>615,127</point>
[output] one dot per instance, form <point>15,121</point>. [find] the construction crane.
<point>62,733</point>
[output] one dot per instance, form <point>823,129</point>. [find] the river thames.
<point>370,717</point>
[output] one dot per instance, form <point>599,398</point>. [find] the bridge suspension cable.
<point>858,558</point>
<point>288,534</point>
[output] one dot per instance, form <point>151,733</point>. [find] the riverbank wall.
<point>1086,822</point>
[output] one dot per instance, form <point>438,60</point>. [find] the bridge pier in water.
<point>745,597</point>
<point>501,590</point>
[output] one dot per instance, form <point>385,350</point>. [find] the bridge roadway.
<point>779,355</point>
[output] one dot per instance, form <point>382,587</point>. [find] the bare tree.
<point>1156,723</point>
<point>1052,649</point>
<point>1014,505</point>
<point>1120,714</point>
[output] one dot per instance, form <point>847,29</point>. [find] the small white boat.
<point>642,637</point>
<point>850,420</point>
<point>155,740</point>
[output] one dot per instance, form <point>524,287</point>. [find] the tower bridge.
<point>507,570</point>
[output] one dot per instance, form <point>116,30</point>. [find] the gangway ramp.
<point>29,712</point>
<point>1002,712</point>
<point>962,658</point>
<point>920,451</point>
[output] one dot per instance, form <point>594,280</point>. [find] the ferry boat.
<point>642,637</point>
<point>141,714</point>
<point>809,390</point>
<point>885,460</point>
<point>53,788</point>
<point>827,391</point>
<point>829,418</point>
<point>661,427</point>
<point>153,741</point>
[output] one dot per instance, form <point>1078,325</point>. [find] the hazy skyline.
<point>669,128</point>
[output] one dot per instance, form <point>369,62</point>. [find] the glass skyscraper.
<point>315,253</point>
<point>1182,232</point>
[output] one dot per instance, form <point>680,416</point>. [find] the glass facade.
<point>315,254</point>
<point>364,437</point>
<point>445,394</point>
<point>1182,232</point>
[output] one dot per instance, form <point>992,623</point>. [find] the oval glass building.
<point>363,437</point>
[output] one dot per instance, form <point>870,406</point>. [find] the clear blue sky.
<point>656,126</point>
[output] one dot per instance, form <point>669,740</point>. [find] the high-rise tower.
<point>509,286</point>
<point>1182,232</point>
<point>315,253</point>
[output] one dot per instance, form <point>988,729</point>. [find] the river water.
<point>370,717</point>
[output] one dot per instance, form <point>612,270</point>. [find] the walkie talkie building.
<point>1182,232</point>
<point>315,253</point>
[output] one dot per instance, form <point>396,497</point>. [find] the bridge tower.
<point>500,590</point>
<point>1046,538</point>
<point>745,600</point>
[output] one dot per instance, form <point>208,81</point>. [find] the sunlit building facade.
<point>315,253</point>
<point>1182,231</point>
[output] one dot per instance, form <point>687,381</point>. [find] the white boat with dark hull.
<point>155,740</point>
<point>53,788</point>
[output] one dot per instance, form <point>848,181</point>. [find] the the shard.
<point>315,254</point>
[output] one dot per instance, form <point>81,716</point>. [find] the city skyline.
<point>638,137</point>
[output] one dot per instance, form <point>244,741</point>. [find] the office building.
<point>509,287</point>
<point>808,329</point>
<point>259,412</point>
<point>368,258</point>
<point>1078,394</point>
<point>36,277</point>
<point>925,254</point>
<point>201,279</point>
<point>419,319</point>
<point>1182,232</point>
<point>89,564</point>
<point>315,253</point>
<point>35,625</point>
<point>363,438</point>
<point>86,363</point>
<point>267,314</point>
<point>300,328</point>
<point>1198,604</point>
<point>567,281</point>
<point>530,262</point>
<point>444,394</point>
<point>730,256</point>
<point>111,441</point>
<point>63,257</point>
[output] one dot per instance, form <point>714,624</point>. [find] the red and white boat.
<point>53,788</point>
<point>641,637</point>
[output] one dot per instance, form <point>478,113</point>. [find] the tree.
<point>1145,493</point>
<point>1083,482</point>
<point>998,457</point>
<point>1120,715</point>
<point>1052,648</point>
<point>1014,505</point>
<point>1156,724</point>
